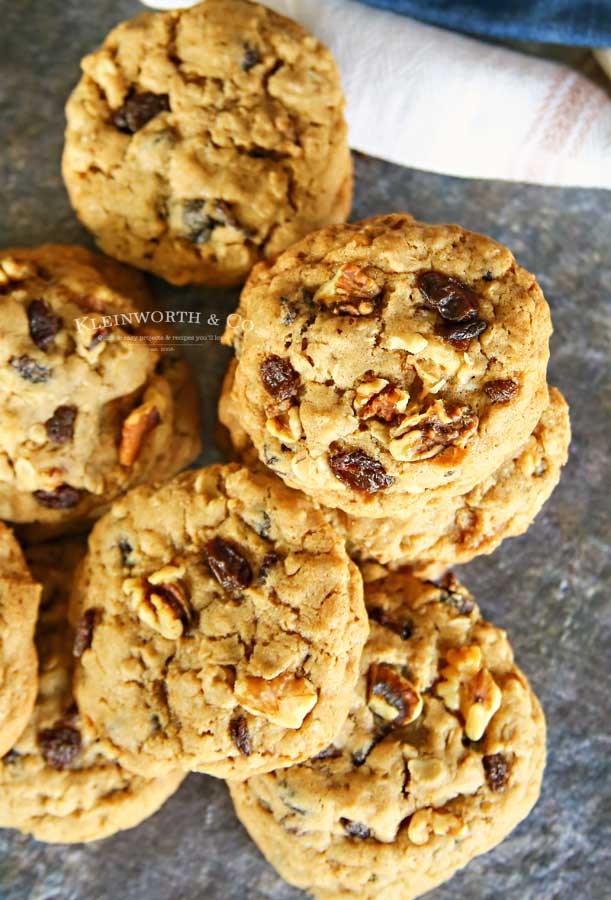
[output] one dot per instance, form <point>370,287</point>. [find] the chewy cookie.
<point>224,624</point>
<point>89,405</point>
<point>441,756</point>
<point>55,784</point>
<point>451,532</point>
<point>380,359</point>
<point>19,598</point>
<point>202,140</point>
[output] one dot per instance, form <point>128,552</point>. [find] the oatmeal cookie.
<point>227,624</point>
<point>19,598</point>
<point>90,405</point>
<point>55,784</point>
<point>441,756</point>
<point>202,140</point>
<point>382,359</point>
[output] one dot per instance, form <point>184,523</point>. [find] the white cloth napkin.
<point>431,99</point>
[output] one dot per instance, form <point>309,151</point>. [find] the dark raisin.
<point>502,390</point>
<point>98,336</point>
<point>84,633</point>
<point>264,527</point>
<point>289,311</point>
<point>224,215</point>
<point>330,752</point>
<point>197,222</point>
<point>126,548</point>
<point>60,427</point>
<point>228,566</point>
<point>60,745</point>
<point>29,369</point>
<point>138,109</point>
<point>407,777</point>
<point>264,153</point>
<point>462,333</point>
<point>496,767</point>
<point>448,296</point>
<point>452,592</point>
<point>238,729</point>
<point>44,324</point>
<point>488,276</point>
<point>355,829</point>
<point>10,758</point>
<point>359,471</point>
<point>403,629</point>
<point>279,378</point>
<point>251,58</point>
<point>269,561</point>
<point>63,497</point>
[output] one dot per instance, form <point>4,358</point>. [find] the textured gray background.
<point>549,588</point>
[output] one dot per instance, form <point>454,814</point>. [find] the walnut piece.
<point>424,435</point>
<point>285,700</point>
<point>379,399</point>
<point>286,427</point>
<point>13,270</point>
<point>160,601</point>
<point>350,292</point>
<point>137,425</point>
<point>391,696</point>
<point>468,687</point>
<point>426,822</point>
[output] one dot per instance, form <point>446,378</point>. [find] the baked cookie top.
<point>383,358</point>
<point>54,782</point>
<point>19,598</point>
<point>88,403</point>
<point>447,532</point>
<point>441,756</point>
<point>204,139</point>
<point>224,626</point>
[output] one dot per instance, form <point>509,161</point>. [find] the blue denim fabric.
<point>583,23</point>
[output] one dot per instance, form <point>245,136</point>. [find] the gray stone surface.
<point>549,588</point>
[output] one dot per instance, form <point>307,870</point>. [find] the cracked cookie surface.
<point>90,406</point>
<point>19,599</point>
<point>441,756</point>
<point>381,359</point>
<point>202,140</point>
<point>227,624</point>
<point>55,784</point>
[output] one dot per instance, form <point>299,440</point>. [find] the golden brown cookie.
<point>55,784</point>
<point>90,406</point>
<point>441,756</point>
<point>202,140</point>
<point>225,624</point>
<point>19,598</point>
<point>382,359</point>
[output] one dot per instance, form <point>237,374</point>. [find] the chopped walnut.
<point>468,687</point>
<point>426,822</point>
<point>286,427</point>
<point>13,270</point>
<point>424,435</point>
<point>160,601</point>
<point>138,424</point>
<point>379,399</point>
<point>285,700</point>
<point>350,292</point>
<point>391,696</point>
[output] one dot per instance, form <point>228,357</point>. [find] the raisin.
<point>269,561</point>
<point>251,58</point>
<point>44,324</point>
<point>403,629</point>
<point>98,336</point>
<point>10,758</point>
<point>359,471</point>
<point>279,378</point>
<point>228,566</point>
<point>453,593</point>
<point>60,427</point>
<point>63,497</point>
<point>198,223</point>
<point>448,296</point>
<point>496,767</point>
<point>238,729</point>
<point>330,752</point>
<point>84,633</point>
<point>60,745</point>
<point>502,390</point>
<point>30,370</point>
<point>355,829</point>
<point>126,548</point>
<point>461,333</point>
<point>138,109</point>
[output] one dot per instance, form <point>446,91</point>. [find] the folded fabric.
<point>431,99</point>
<point>583,24</point>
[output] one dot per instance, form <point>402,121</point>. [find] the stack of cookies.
<point>285,621</point>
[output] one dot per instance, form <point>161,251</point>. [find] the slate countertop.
<point>549,588</point>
